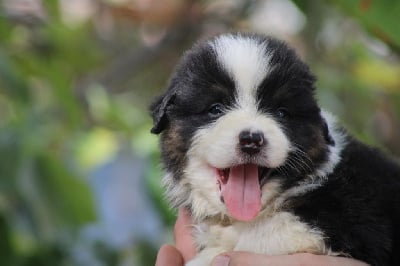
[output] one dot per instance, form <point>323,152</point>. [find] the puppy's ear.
<point>158,111</point>
<point>327,135</point>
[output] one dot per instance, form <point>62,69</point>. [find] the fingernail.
<point>221,261</point>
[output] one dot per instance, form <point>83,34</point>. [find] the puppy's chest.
<point>281,233</point>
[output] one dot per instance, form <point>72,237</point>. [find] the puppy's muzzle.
<point>251,142</point>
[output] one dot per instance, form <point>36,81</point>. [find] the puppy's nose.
<point>251,142</point>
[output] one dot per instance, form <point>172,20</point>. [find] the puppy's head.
<point>239,125</point>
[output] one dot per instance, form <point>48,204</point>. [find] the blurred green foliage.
<point>378,17</point>
<point>72,95</point>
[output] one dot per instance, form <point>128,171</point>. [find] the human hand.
<point>184,250</point>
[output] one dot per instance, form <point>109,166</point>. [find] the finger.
<point>183,235</point>
<point>246,258</point>
<point>169,256</point>
<point>242,258</point>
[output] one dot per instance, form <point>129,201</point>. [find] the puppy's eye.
<point>216,109</point>
<point>282,112</point>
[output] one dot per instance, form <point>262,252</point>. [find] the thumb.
<point>169,256</point>
<point>241,258</point>
<point>183,235</point>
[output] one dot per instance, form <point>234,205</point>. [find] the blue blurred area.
<point>126,214</point>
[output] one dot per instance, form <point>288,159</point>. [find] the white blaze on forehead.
<point>246,61</point>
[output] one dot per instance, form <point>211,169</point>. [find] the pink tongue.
<point>242,193</point>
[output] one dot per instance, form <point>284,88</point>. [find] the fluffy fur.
<point>241,102</point>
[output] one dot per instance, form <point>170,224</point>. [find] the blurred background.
<point>79,170</point>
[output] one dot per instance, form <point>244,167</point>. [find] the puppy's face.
<point>239,125</point>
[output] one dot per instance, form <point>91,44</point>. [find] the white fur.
<point>246,61</point>
<point>218,143</point>
<point>281,233</point>
<point>177,192</point>
<point>335,150</point>
<point>217,147</point>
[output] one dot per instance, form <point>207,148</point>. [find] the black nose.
<point>251,142</point>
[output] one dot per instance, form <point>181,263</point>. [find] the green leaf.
<point>10,148</point>
<point>11,82</point>
<point>381,17</point>
<point>68,197</point>
<point>6,250</point>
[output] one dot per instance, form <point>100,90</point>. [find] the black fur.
<point>187,109</point>
<point>358,208</point>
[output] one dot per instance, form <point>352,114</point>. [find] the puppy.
<point>261,167</point>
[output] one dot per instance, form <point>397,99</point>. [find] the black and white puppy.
<point>248,150</point>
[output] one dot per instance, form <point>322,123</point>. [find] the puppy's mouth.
<point>240,188</point>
